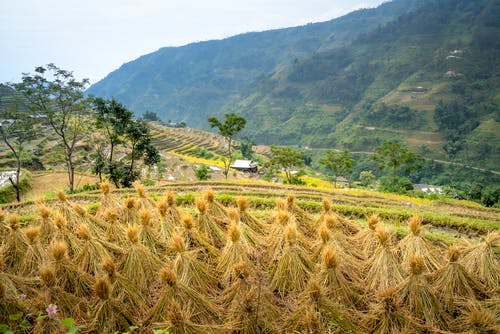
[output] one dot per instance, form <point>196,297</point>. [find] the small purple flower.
<point>51,310</point>
<point>22,296</point>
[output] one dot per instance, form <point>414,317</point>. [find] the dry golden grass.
<point>293,266</point>
<point>204,310</point>
<point>52,182</point>
<point>419,298</point>
<point>35,252</point>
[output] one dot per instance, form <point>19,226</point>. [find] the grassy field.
<point>46,183</point>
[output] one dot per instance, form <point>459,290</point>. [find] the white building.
<point>245,165</point>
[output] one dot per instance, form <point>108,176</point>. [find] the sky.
<point>95,37</point>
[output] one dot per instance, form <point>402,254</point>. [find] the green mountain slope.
<point>190,82</point>
<point>430,78</point>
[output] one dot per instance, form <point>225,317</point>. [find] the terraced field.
<point>253,257</point>
<point>445,218</point>
<point>184,141</point>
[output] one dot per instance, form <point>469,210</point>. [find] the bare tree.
<point>16,129</point>
<point>57,95</point>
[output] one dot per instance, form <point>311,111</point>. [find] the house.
<point>341,180</point>
<point>428,189</point>
<point>245,166</point>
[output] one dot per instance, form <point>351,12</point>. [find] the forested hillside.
<point>423,72</point>
<point>430,78</point>
<point>190,82</point>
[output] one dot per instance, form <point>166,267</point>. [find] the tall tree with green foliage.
<point>338,163</point>
<point>231,125</point>
<point>139,142</point>
<point>396,157</point>
<point>113,118</point>
<point>120,128</point>
<point>57,95</point>
<point>16,129</point>
<point>285,159</point>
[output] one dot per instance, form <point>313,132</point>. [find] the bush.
<point>296,180</point>
<point>202,173</point>
<point>200,152</point>
<point>85,187</point>
<point>366,178</point>
<point>490,196</point>
<point>148,182</point>
<point>8,193</point>
<point>399,185</point>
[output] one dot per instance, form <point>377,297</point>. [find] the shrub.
<point>148,182</point>
<point>85,187</point>
<point>400,185</point>
<point>8,193</point>
<point>202,173</point>
<point>200,152</point>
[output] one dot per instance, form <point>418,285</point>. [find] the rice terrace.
<point>274,167</point>
<point>220,257</point>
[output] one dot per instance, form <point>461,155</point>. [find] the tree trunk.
<point>227,164</point>
<point>132,159</point>
<point>226,168</point>
<point>18,178</point>
<point>111,152</point>
<point>71,170</point>
<point>71,174</point>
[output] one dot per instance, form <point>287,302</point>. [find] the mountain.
<point>191,82</point>
<point>429,78</point>
<point>423,72</point>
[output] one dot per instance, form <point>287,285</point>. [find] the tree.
<point>285,159</point>
<point>339,163</point>
<point>59,96</point>
<point>228,129</point>
<point>150,116</point>
<point>139,144</point>
<point>120,128</point>
<point>367,178</point>
<point>113,118</point>
<point>16,129</point>
<point>100,161</point>
<point>395,156</point>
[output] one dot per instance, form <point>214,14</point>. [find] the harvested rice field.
<point>225,257</point>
